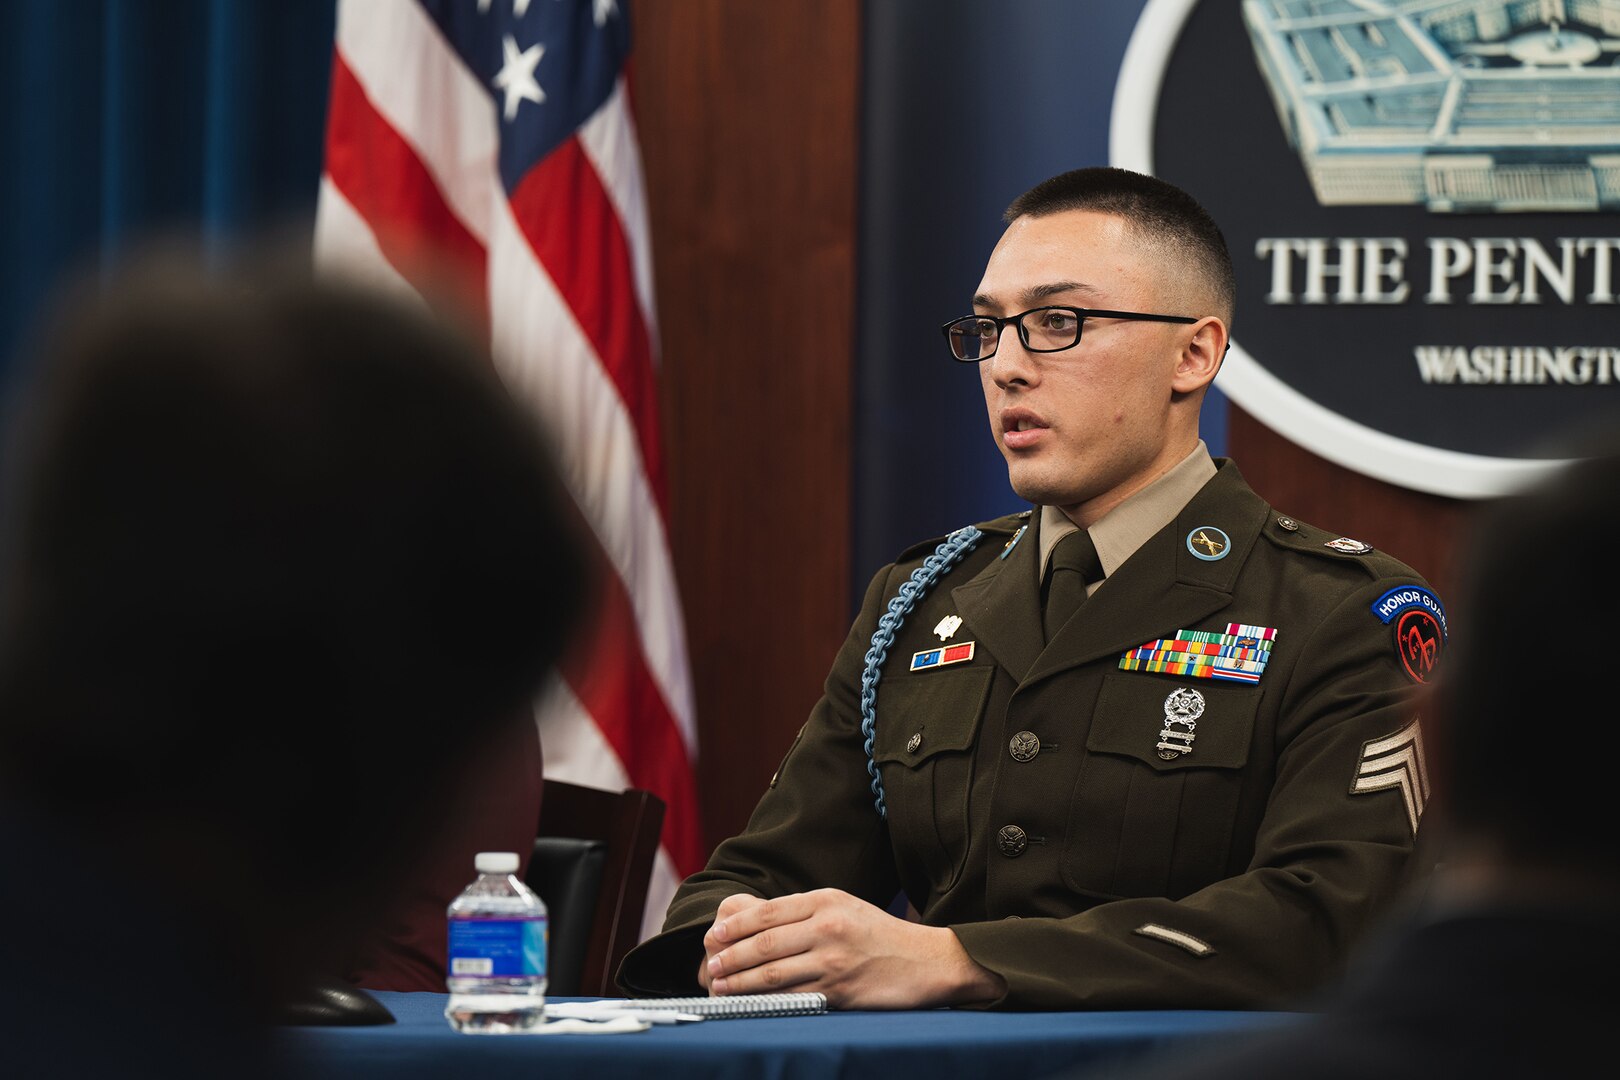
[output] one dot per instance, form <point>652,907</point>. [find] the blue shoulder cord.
<point>950,552</point>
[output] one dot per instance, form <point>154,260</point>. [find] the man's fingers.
<point>731,905</point>
<point>736,902</point>
<point>769,945</point>
<point>772,977</point>
<point>734,926</point>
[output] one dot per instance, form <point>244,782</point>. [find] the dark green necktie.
<point>1074,564</point>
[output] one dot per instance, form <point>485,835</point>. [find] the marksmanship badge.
<point>1182,708</point>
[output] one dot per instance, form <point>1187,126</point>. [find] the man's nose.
<point>1011,362</point>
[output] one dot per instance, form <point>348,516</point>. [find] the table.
<point>848,1045</point>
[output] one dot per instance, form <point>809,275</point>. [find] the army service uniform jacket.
<point>1032,809</point>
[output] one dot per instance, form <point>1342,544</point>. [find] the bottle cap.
<point>496,862</point>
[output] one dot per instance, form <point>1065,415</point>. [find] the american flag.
<point>486,149</point>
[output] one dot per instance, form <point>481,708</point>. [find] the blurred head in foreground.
<point>1539,587</point>
<point>276,556</point>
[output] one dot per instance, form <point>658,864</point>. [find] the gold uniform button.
<point>913,742</point>
<point>1024,746</point>
<point>1012,840</point>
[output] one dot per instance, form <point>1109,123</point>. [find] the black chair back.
<point>592,862</point>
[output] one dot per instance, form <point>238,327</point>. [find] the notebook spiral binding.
<point>739,1006</point>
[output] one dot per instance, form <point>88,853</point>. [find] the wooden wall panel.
<point>748,127</point>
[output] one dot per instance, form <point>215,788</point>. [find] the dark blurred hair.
<point>1523,684</point>
<point>277,555</point>
<point>1158,211</point>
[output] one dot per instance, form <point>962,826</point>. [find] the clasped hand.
<point>857,954</point>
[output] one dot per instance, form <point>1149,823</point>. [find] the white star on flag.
<point>516,76</point>
<point>602,9</point>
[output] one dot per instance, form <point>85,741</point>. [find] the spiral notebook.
<point>737,1006</point>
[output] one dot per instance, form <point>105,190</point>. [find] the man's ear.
<point>1201,356</point>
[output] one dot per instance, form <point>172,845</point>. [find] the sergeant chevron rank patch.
<point>1239,655</point>
<point>1396,761</point>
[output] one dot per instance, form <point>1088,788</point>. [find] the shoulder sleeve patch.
<point>1419,640</point>
<point>1418,622</point>
<point>1403,598</point>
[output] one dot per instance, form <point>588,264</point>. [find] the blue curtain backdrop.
<point>125,118</point>
<point>966,104</point>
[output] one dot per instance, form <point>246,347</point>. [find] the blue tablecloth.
<point>881,1045</point>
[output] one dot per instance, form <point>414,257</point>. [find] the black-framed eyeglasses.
<point>1043,329</point>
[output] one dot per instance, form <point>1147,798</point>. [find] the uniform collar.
<point>1163,587</point>
<point>1127,526</point>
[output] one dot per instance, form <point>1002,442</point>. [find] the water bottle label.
<point>496,948</point>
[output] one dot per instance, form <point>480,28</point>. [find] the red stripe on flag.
<point>609,675</point>
<point>387,184</point>
<point>585,252</point>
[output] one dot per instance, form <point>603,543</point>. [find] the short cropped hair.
<point>1158,211</point>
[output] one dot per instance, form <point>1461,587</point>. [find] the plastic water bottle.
<point>498,930</point>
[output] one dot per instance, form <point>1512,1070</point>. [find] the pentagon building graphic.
<point>1461,105</point>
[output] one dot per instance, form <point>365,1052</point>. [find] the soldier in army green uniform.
<point>1190,784</point>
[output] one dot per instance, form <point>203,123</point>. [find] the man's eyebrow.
<point>1032,296</point>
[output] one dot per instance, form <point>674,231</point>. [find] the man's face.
<point>1084,428</point>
